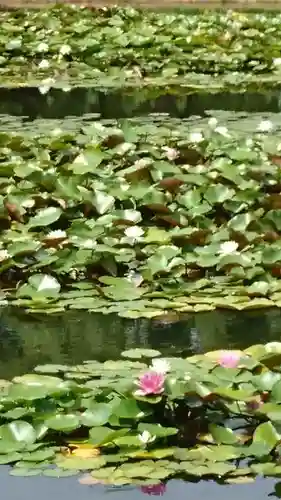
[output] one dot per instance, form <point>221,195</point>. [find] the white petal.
<point>4,254</point>
<point>265,126</point>
<point>134,232</point>
<point>57,234</point>
<point>196,137</point>
<point>161,366</point>
<point>48,283</point>
<point>139,392</point>
<point>222,131</point>
<point>44,64</point>
<point>228,247</point>
<point>277,61</point>
<point>42,47</point>
<point>213,122</point>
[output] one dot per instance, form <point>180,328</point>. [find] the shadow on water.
<point>26,341</point>
<point>124,104</point>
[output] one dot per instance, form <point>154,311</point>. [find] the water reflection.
<point>73,337</point>
<point>21,488</point>
<point>178,102</point>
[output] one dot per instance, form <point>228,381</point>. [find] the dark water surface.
<point>111,103</point>
<point>73,337</point>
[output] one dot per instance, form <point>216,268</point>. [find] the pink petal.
<point>229,359</point>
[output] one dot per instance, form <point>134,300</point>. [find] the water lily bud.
<point>254,405</point>
<point>146,437</point>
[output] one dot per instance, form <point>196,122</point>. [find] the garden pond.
<point>89,390</point>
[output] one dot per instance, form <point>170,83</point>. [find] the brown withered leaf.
<point>276,159</point>
<point>171,184</point>
<point>157,207</point>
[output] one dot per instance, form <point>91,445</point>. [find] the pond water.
<point>26,341</point>
<point>110,103</point>
<point>17,488</point>
<point>71,338</point>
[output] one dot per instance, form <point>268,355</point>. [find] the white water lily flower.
<point>4,254</point>
<point>249,143</point>
<point>65,49</point>
<point>46,85</point>
<point>89,244</point>
<point>58,234</point>
<point>228,247</point>
<point>222,131</point>
<point>273,347</point>
<point>277,61</point>
<point>44,64</point>
<point>213,122</point>
<point>265,126</point>
<point>134,232</point>
<point>146,437</point>
<point>48,283</point>
<point>196,137</point>
<point>171,153</point>
<point>160,366</point>
<point>42,47</point>
<point>134,277</point>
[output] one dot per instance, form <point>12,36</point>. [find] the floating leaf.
<point>64,423</point>
<point>77,463</point>
<point>45,217</point>
<point>139,353</point>
<point>99,414</point>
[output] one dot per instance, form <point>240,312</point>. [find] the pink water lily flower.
<point>229,359</point>
<point>150,383</point>
<point>154,489</point>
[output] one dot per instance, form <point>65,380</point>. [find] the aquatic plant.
<point>229,359</point>
<point>102,220</point>
<point>208,422</point>
<point>56,44</point>
<point>150,382</point>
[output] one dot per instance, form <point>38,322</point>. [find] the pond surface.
<point>26,341</point>
<point>137,102</point>
<point>17,488</point>
<point>73,337</point>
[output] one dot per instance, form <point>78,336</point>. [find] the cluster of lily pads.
<point>112,44</point>
<point>130,220</point>
<point>144,419</point>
